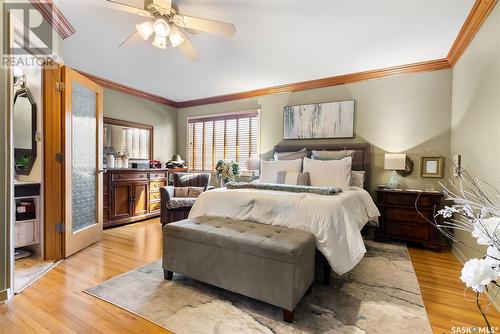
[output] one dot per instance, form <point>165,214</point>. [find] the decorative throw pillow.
<point>269,169</point>
<point>181,191</point>
<point>195,191</point>
<point>293,178</point>
<point>332,155</point>
<point>358,178</point>
<point>331,173</point>
<point>291,155</point>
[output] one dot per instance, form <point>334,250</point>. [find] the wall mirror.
<point>24,131</point>
<point>135,138</point>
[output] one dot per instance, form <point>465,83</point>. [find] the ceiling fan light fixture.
<point>160,42</point>
<point>175,36</point>
<point>145,30</point>
<point>161,27</point>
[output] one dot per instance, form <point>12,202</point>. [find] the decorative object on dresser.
<point>177,208</point>
<point>319,120</point>
<point>394,162</point>
<point>408,215</point>
<point>431,167</point>
<point>132,194</point>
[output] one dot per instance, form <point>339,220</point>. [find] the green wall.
<point>408,113</point>
<point>136,109</point>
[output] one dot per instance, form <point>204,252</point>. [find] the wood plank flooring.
<point>56,303</point>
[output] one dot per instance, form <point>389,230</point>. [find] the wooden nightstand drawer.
<point>154,206</point>
<point>407,200</point>
<point>407,231</point>
<point>153,176</point>
<point>155,185</point>
<point>405,215</point>
<point>154,196</point>
<point>129,176</point>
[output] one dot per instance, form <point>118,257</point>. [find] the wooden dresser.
<point>400,219</point>
<point>131,195</point>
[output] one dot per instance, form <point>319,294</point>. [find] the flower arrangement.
<point>227,170</point>
<point>124,154</point>
<point>475,209</point>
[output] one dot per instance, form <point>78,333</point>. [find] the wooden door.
<point>83,124</point>
<point>122,197</point>
<point>140,204</point>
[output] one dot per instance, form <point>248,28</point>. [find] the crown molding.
<point>432,65</point>
<point>129,90</point>
<point>54,17</point>
<point>474,21</point>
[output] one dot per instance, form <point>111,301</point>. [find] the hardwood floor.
<point>56,303</point>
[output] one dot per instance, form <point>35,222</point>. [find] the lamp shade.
<point>253,164</point>
<point>395,161</point>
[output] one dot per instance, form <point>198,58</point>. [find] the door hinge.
<point>60,227</point>
<point>60,86</point>
<point>60,157</point>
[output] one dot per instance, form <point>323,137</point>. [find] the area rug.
<point>28,270</point>
<point>380,295</point>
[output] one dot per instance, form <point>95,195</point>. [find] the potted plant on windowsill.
<point>226,171</point>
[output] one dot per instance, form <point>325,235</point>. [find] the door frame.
<point>89,234</point>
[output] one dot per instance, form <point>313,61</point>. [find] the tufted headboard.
<point>361,160</point>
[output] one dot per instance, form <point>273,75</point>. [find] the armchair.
<point>177,208</point>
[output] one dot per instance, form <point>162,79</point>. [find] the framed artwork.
<point>431,167</point>
<point>319,120</point>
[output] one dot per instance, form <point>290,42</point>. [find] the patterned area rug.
<point>381,295</point>
<point>28,270</point>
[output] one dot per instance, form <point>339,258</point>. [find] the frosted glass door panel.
<point>84,174</point>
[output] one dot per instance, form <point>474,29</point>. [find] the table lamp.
<point>253,164</point>
<point>394,162</point>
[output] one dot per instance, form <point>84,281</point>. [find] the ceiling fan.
<point>164,22</point>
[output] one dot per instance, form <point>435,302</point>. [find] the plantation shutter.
<point>231,137</point>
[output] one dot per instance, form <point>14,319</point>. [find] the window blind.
<point>231,137</point>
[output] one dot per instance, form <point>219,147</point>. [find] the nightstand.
<point>400,219</point>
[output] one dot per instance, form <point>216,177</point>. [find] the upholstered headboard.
<point>361,160</point>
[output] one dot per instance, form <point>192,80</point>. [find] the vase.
<point>124,162</point>
<point>118,163</point>
<point>110,161</point>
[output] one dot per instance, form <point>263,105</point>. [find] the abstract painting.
<point>319,120</point>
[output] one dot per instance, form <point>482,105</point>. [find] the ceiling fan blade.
<point>196,23</point>
<point>188,48</point>
<point>124,8</point>
<point>166,5</point>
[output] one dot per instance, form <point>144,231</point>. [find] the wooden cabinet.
<point>131,195</point>
<point>408,216</point>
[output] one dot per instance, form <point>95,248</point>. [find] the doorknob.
<point>104,170</point>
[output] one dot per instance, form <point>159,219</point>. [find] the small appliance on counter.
<point>154,164</point>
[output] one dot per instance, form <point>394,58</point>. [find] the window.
<point>232,137</point>
<point>136,141</point>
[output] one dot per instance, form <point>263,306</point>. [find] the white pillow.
<point>329,173</point>
<point>269,169</point>
<point>358,178</point>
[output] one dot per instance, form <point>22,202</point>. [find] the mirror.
<point>120,136</point>
<point>24,131</point>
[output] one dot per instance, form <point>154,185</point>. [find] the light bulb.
<point>160,41</point>
<point>161,27</point>
<point>175,36</point>
<point>145,29</point>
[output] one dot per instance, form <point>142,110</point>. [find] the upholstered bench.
<point>269,263</point>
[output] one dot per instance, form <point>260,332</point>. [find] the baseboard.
<point>461,258</point>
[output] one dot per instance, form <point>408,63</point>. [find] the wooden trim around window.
<point>54,17</point>
<point>129,90</point>
<point>476,18</point>
<point>120,122</point>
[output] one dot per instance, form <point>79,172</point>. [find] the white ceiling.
<point>277,42</point>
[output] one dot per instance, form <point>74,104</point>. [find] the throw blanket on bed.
<point>284,187</point>
<point>335,221</point>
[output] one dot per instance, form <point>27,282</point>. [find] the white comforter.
<point>336,220</point>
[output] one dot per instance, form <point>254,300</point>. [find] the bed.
<point>336,221</point>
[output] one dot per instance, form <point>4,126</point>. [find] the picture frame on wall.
<point>431,167</point>
<point>327,120</point>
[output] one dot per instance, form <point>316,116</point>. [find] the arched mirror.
<point>24,131</point>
